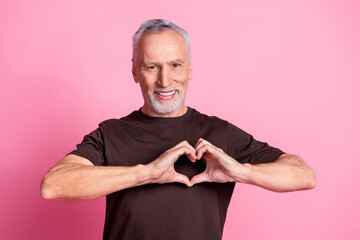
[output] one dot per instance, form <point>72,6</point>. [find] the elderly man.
<point>168,171</point>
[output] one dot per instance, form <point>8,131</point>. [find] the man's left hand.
<point>220,167</point>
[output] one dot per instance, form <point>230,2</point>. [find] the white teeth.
<point>166,93</point>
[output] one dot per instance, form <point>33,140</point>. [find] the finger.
<point>182,179</point>
<point>200,142</point>
<point>201,147</point>
<point>202,177</point>
<point>191,156</point>
<point>201,151</point>
<point>182,144</point>
<point>188,151</point>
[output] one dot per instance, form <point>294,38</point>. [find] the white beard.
<point>166,106</point>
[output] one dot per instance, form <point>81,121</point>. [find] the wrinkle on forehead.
<point>163,46</point>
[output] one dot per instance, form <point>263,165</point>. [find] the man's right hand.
<point>76,178</point>
<point>162,168</point>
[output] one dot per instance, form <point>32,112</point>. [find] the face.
<point>163,70</point>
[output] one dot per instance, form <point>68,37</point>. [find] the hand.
<point>162,168</point>
<point>220,167</point>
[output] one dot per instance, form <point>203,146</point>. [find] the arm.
<point>287,173</point>
<point>77,178</point>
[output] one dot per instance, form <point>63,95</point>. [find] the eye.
<point>176,65</point>
<point>151,68</point>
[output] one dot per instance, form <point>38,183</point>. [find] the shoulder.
<point>201,118</point>
<point>218,123</point>
<point>132,118</point>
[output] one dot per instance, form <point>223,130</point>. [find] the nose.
<point>165,79</point>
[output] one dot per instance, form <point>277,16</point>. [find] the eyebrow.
<point>176,60</point>
<point>150,63</point>
<point>171,61</point>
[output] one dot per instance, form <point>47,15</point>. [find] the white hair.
<point>159,25</point>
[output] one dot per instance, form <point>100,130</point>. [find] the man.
<point>168,171</point>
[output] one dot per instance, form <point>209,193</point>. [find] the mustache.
<point>168,89</point>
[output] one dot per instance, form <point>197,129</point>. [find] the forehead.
<point>165,44</point>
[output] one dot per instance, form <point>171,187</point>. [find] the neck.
<point>177,113</point>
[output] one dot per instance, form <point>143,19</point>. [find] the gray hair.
<point>159,25</point>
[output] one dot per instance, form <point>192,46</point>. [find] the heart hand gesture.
<point>162,168</point>
<point>220,167</point>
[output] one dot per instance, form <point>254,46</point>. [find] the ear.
<point>135,76</point>
<point>190,70</point>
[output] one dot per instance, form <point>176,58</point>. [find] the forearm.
<point>287,173</point>
<point>73,181</point>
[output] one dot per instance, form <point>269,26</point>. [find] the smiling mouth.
<point>165,94</point>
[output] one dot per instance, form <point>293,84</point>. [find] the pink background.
<point>285,71</point>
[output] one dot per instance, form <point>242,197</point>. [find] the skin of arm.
<point>76,178</point>
<point>287,173</point>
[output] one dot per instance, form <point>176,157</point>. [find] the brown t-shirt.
<point>168,211</point>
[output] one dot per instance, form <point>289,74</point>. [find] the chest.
<point>139,144</point>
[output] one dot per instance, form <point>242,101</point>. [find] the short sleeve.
<point>245,149</point>
<point>92,147</point>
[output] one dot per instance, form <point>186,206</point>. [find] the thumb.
<point>182,179</point>
<point>201,177</point>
